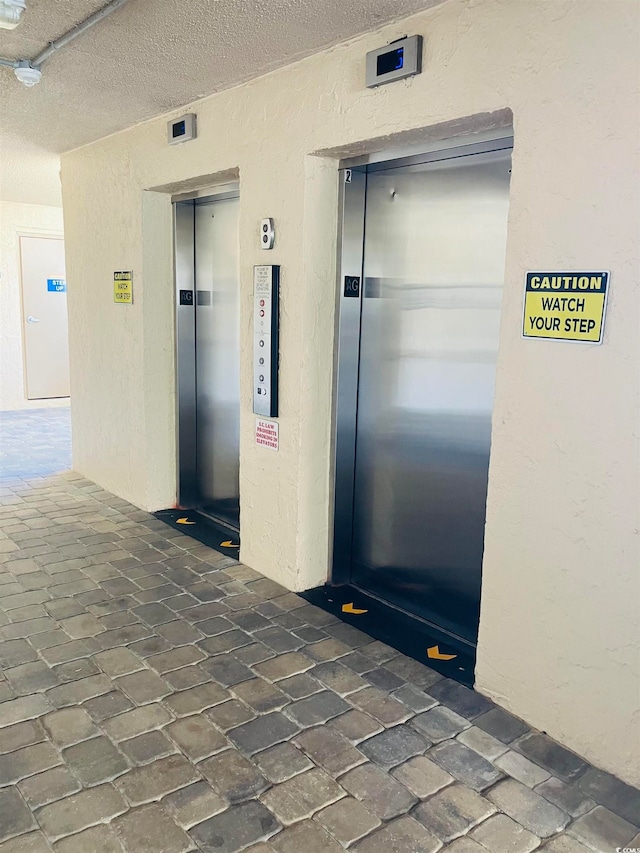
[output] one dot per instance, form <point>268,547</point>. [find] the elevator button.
<point>261,377</point>
<point>261,343</point>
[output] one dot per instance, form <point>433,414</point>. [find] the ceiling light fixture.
<point>10,13</point>
<point>26,73</point>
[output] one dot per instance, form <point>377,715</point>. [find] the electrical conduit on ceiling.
<point>28,70</point>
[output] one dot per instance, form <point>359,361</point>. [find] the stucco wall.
<point>559,626</point>
<point>16,219</point>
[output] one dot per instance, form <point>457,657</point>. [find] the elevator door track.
<point>449,655</point>
<point>207,530</point>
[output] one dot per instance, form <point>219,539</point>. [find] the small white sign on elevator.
<point>267,434</point>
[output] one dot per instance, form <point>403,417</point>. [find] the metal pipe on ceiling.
<point>74,32</point>
<point>70,35</point>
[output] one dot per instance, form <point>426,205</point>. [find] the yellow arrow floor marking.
<point>184,520</point>
<point>228,544</point>
<point>435,653</point>
<point>349,608</point>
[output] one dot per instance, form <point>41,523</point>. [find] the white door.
<point>44,317</point>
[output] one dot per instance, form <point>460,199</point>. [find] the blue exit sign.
<point>56,285</point>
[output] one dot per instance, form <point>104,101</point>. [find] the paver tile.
<point>96,760</point>
<point>15,817</point>
<point>302,796</point>
<point>263,732</point>
<point>80,811</point>
<point>422,777</point>
<point>97,839</point>
<point>601,829</point>
<point>610,792</point>
<point>136,722</point>
<point>23,708</point>
<point>233,776</point>
<point>147,747</point>
<point>481,742</point>
<point>380,706</point>
<point>402,834</point>
<point>394,746</point>
<point>156,780</point>
<point>117,662</point>
<point>151,829</point>
<point>317,709</point>
<point>520,768</point>
<point>194,804</point>
<point>281,762</point>
<point>306,836</point>
<point>528,808</point>
<point>196,700</point>
<point>356,726</point>
<point>347,820</point>
<point>143,687</point>
<point>261,695</point>
<point>49,786</point>
<point>19,735</point>
<point>235,828</point>
<point>545,752</point>
<point>329,750</point>
<point>502,833</point>
<point>230,715</point>
<point>109,705</point>
<point>196,737</point>
<point>465,764</point>
<point>34,842</point>
<point>27,762</point>
<point>378,792</point>
<point>569,798</point>
<point>69,726</point>
<point>453,811</point>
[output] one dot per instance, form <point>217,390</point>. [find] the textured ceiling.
<point>148,57</point>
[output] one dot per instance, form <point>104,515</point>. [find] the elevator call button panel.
<point>266,287</point>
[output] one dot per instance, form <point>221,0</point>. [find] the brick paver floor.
<point>157,697</point>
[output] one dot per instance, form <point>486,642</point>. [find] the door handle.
<point>31,319</point>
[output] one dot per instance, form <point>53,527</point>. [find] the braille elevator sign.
<point>123,287</point>
<point>565,306</point>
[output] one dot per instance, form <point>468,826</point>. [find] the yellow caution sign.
<point>228,544</point>
<point>349,608</point>
<point>435,654</point>
<point>565,306</point>
<point>184,520</point>
<point>123,287</point>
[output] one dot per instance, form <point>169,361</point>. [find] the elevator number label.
<point>565,306</point>
<point>123,287</point>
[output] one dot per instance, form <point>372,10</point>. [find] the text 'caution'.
<point>565,306</point>
<point>123,287</point>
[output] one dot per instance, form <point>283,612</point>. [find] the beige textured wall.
<point>16,219</point>
<point>559,627</point>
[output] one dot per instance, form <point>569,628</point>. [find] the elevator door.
<point>217,364</point>
<point>433,267</point>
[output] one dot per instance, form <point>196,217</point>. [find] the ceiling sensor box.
<point>181,129</point>
<point>401,58</point>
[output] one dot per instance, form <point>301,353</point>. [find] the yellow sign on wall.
<point>565,306</point>
<point>123,287</point>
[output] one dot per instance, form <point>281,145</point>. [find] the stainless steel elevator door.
<point>434,253</point>
<point>217,334</point>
